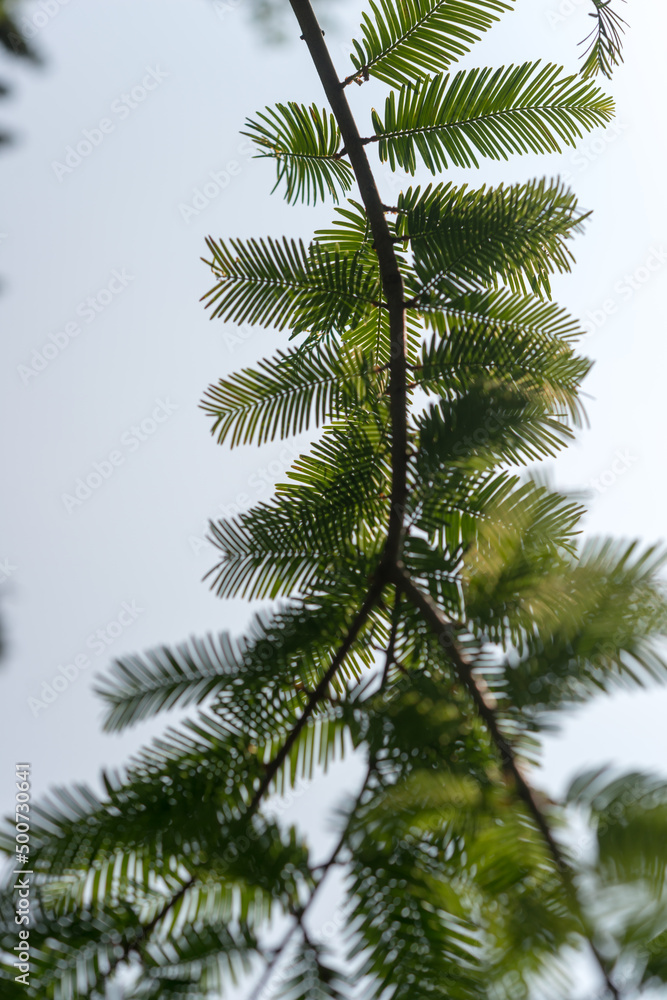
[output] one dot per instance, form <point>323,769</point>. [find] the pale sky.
<point>101,266</point>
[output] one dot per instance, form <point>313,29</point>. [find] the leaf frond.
<point>283,283</point>
<point>467,240</point>
<point>403,42</point>
<point>305,142</point>
<point>472,348</point>
<point>289,393</point>
<point>330,512</point>
<point>137,687</point>
<point>529,108</point>
<point>605,41</point>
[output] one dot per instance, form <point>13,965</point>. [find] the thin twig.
<point>390,657</point>
<point>320,691</point>
<point>392,278</point>
<point>301,913</point>
<point>447,636</point>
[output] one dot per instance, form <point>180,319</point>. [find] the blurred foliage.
<point>12,33</point>
<point>13,40</point>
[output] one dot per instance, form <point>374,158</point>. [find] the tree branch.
<point>390,654</point>
<point>315,697</point>
<point>147,929</point>
<point>446,634</point>
<point>325,869</point>
<point>320,691</point>
<point>392,279</point>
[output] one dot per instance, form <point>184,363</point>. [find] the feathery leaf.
<point>404,42</point>
<point>304,142</point>
<point>273,283</point>
<point>465,239</point>
<point>530,108</point>
<point>605,41</point>
<point>289,393</point>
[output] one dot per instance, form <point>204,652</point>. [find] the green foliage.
<point>595,614</point>
<point>311,977</point>
<point>437,844</point>
<point>629,814</point>
<point>603,54</point>
<point>12,38</point>
<point>328,517</point>
<point>465,240</point>
<point>203,959</point>
<point>138,687</point>
<point>626,869</point>
<point>443,120</point>
<point>305,143</point>
<point>478,345</point>
<point>350,232</point>
<point>287,394</point>
<point>419,37</point>
<point>16,42</point>
<point>272,283</point>
<point>430,609</point>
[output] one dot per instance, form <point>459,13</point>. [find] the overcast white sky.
<point>116,227</point>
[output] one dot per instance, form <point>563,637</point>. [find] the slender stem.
<point>392,282</point>
<point>321,690</point>
<point>325,869</point>
<point>147,929</point>
<point>390,654</point>
<point>359,76</point>
<point>392,279</point>
<point>447,637</point>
